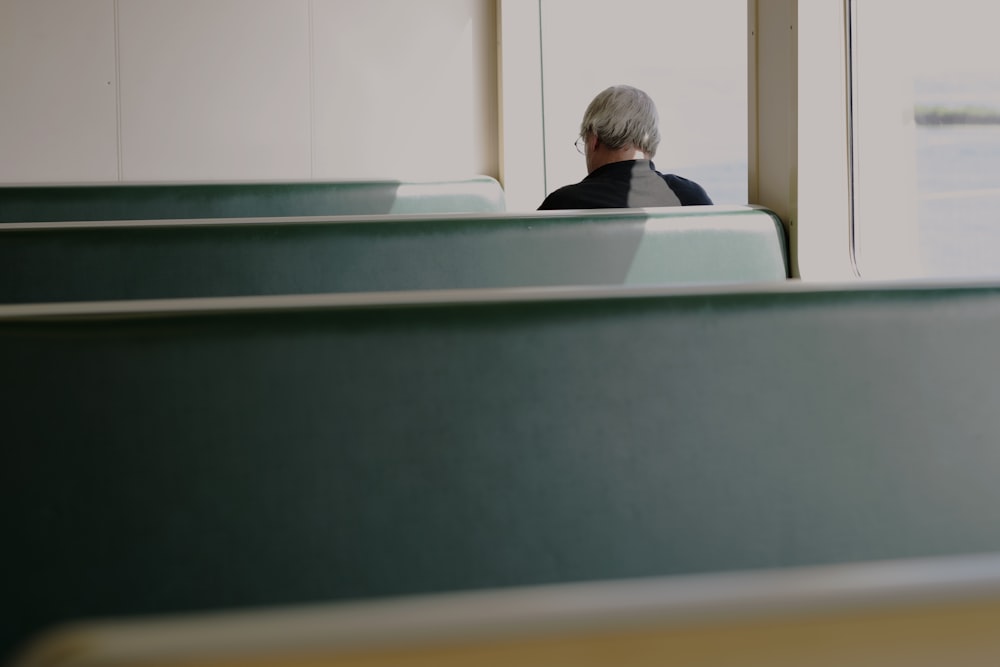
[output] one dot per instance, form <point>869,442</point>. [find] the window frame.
<point>521,138</point>
<point>799,146</point>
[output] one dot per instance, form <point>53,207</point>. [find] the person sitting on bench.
<point>619,136</point>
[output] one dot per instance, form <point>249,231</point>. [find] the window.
<point>926,86</point>
<point>691,57</point>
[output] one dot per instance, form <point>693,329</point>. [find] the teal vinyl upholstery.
<point>239,257</point>
<point>165,456</point>
<point>169,201</point>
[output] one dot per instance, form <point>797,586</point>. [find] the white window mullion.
<point>522,140</point>
<point>798,134</point>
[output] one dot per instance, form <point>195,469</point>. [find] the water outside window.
<point>927,113</point>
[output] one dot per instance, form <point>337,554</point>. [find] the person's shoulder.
<point>689,192</point>
<point>566,197</point>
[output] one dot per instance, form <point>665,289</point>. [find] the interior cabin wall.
<point>202,90</point>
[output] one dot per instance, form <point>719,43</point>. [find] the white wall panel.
<point>214,89</point>
<point>404,89</point>
<point>57,91</point>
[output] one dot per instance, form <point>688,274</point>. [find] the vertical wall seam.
<point>753,104</point>
<point>312,93</point>
<point>541,78</point>
<point>499,73</point>
<point>850,48</point>
<point>118,96</point>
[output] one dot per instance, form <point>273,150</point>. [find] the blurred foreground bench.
<point>199,454</point>
<point>920,613</point>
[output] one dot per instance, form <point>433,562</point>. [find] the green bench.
<point>169,201</point>
<point>195,454</point>
<point>128,260</point>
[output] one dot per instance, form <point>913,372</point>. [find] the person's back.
<point>619,136</point>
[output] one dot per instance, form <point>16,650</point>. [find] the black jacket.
<point>627,184</point>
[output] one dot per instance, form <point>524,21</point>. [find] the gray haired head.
<point>623,116</point>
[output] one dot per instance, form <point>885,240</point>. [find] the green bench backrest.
<point>351,446</point>
<point>231,258</point>
<point>56,203</point>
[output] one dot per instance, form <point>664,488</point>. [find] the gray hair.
<point>623,116</point>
